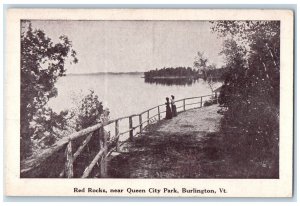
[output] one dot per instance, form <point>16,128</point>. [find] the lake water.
<point>123,94</point>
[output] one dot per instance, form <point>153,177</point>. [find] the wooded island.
<point>185,73</point>
<point>172,73</point>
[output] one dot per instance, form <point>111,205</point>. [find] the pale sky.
<point>127,46</point>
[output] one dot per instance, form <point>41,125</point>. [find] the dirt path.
<point>183,147</point>
<point>194,121</point>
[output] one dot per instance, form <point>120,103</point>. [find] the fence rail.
<point>106,147</point>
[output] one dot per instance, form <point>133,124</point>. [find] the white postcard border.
<point>15,186</point>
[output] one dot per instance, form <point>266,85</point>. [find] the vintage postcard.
<point>149,103</point>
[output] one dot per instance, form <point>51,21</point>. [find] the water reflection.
<point>170,82</point>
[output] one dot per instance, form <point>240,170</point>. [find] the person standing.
<point>168,109</point>
<point>174,109</point>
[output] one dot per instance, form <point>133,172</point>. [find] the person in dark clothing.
<point>174,109</point>
<point>168,109</point>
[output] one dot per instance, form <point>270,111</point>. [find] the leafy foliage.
<point>42,62</point>
<point>47,122</point>
<point>89,111</point>
<point>251,88</point>
<point>209,72</point>
<point>201,62</point>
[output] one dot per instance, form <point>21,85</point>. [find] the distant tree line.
<point>172,72</point>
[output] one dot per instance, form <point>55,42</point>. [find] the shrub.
<point>210,102</point>
<point>89,111</point>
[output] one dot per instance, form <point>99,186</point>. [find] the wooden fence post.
<point>201,102</point>
<point>117,135</point>
<point>69,162</point>
<point>158,113</point>
<point>130,128</point>
<point>216,95</point>
<point>148,116</point>
<point>183,104</point>
<point>100,136</point>
<point>141,123</point>
<point>103,165</point>
<point>101,145</point>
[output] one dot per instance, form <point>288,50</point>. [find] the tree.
<point>201,63</point>
<point>257,44</point>
<point>89,111</point>
<point>208,70</point>
<point>251,87</point>
<point>42,63</point>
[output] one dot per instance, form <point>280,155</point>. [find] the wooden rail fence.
<point>106,147</point>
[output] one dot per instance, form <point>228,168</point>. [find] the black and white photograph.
<point>151,99</point>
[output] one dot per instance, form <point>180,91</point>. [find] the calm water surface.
<point>123,94</point>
